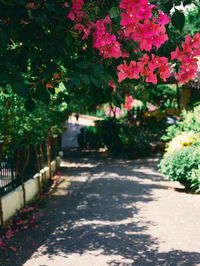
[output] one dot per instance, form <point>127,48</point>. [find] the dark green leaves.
<point>20,88</point>
<point>97,70</point>
<point>85,78</point>
<point>29,104</point>
<point>75,79</point>
<point>167,7</point>
<point>187,2</point>
<point>178,20</point>
<point>83,65</point>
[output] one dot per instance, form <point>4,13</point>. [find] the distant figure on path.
<point>77,117</point>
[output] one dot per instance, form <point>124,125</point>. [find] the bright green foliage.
<point>19,127</point>
<point>193,22</point>
<point>190,122</point>
<point>183,152</point>
<point>180,165</point>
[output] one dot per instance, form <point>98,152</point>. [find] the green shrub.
<point>120,139</point>
<point>190,122</point>
<point>109,131</point>
<point>180,165</point>
<point>93,137</point>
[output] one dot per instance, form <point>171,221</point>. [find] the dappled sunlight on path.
<point>105,217</point>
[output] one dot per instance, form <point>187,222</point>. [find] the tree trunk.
<point>55,151</point>
<point>38,168</point>
<point>20,169</point>
<point>178,95</point>
<point>42,154</point>
<point>49,155</point>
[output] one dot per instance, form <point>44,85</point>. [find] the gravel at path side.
<point>114,212</point>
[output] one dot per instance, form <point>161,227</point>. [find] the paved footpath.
<point>113,212</point>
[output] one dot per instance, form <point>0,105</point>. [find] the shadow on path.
<point>96,216</point>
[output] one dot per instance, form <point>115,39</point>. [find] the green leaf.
<point>114,12</point>
<point>95,81</point>
<point>51,90</point>
<point>187,2</point>
<point>6,2</point>
<point>67,84</point>
<point>97,70</point>
<point>117,99</point>
<point>29,104</point>
<point>178,20</point>
<point>104,78</point>
<point>83,65</point>
<point>76,80</point>
<point>168,7</point>
<point>44,96</point>
<point>68,39</point>
<point>3,39</point>
<point>85,78</point>
<point>20,88</point>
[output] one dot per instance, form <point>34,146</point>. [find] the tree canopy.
<point>91,47</point>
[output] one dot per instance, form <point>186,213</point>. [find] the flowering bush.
<point>185,139</point>
<point>182,157</point>
<point>142,25</point>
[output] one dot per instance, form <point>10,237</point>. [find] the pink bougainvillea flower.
<point>71,16</point>
<point>129,103</point>
<point>118,112</point>
<point>163,18</point>
<point>111,84</point>
<point>66,4</point>
<point>187,57</point>
<point>109,111</point>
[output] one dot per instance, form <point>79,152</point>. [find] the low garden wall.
<point>13,201</point>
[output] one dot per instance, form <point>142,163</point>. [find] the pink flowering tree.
<point>100,50</point>
<point>129,44</point>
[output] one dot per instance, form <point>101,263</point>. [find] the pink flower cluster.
<point>104,41</point>
<point>138,25</point>
<point>113,111</point>
<point>111,84</point>
<point>146,68</point>
<point>189,66</point>
<point>75,12</point>
<point>129,103</point>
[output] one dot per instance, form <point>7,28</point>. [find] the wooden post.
<point>49,155</point>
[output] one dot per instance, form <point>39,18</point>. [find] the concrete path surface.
<point>113,212</point>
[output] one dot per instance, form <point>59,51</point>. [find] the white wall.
<point>13,201</point>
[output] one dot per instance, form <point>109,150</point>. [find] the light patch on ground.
<point>93,258</point>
